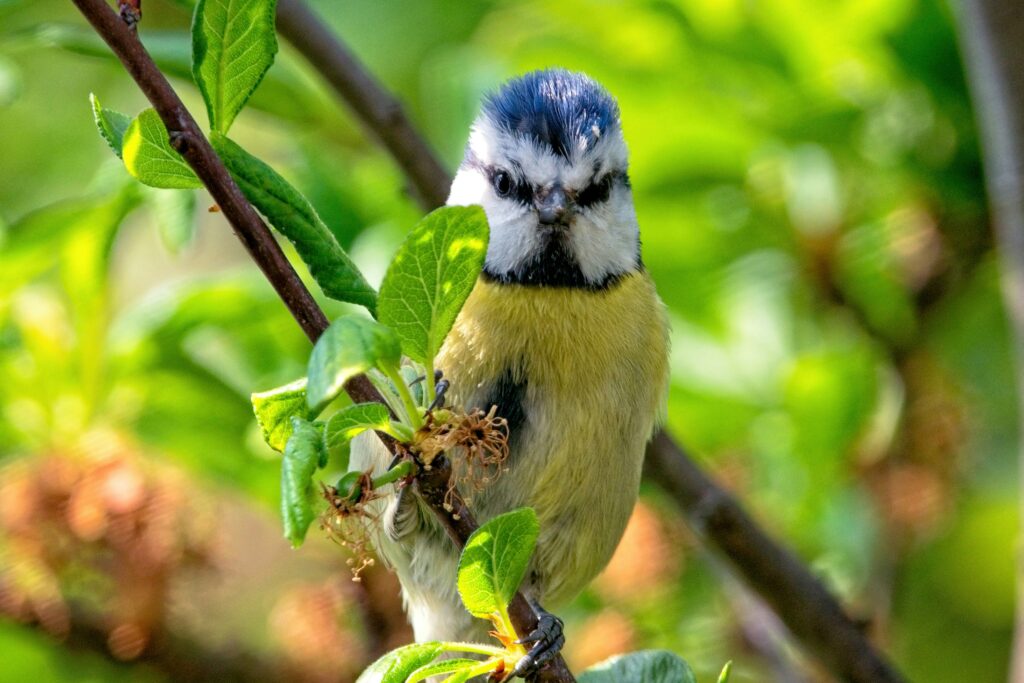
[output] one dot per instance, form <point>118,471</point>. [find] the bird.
<point>563,333</point>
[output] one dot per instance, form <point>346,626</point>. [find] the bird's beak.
<point>553,206</point>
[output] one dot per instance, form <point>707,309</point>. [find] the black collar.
<point>554,266</point>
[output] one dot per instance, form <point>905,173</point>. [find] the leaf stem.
<point>473,648</point>
<point>389,395</point>
<point>507,629</point>
<point>429,389</point>
<point>415,420</point>
<point>400,471</point>
<point>481,668</point>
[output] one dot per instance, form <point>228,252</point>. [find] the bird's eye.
<point>596,192</point>
<point>502,183</point>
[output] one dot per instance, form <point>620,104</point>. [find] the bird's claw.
<point>547,641</point>
<point>440,388</point>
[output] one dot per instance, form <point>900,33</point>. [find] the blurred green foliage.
<point>810,197</point>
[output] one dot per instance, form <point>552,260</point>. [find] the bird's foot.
<point>440,389</point>
<point>546,643</point>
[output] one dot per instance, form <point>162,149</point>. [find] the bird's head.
<point>547,161</point>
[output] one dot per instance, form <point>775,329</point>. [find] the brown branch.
<point>188,139</point>
<point>992,33</point>
<point>376,107</point>
<point>803,603</point>
<point>795,594</point>
<point>433,487</point>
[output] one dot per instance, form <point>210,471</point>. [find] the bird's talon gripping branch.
<point>546,640</point>
<point>442,389</point>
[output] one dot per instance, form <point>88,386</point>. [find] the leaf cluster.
<point>233,46</point>
<point>491,567</point>
<point>426,285</point>
<point>356,345</point>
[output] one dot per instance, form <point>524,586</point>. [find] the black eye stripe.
<point>596,192</point>
<point>522,191</point>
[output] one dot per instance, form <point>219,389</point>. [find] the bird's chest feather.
<point>581,377</point>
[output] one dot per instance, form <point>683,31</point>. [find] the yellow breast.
<point>595,369</point>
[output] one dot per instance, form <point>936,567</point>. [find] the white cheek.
<point>604,238</point>
<point>513,226</point>
<point>468,187</point>
<point>513,240</point>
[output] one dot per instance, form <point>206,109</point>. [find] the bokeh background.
<point>808,183</point>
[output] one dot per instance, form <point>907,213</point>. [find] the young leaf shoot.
<point>295,218</point>
<point>275,409</point>
<point>303,454</point>
<point>430,279</point>
<point>350,346</point>
<point>111,124</point>
<point>494,562</point>
<point>233,45</point>
<point>351,421</point>
<point>149,157</point>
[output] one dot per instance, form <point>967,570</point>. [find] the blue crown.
<point>555,107</point>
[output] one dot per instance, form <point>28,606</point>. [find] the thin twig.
<point>433,487</point>
<point>380,111</point>
<point>807,605</point>
<point>992,33</point>
<point>188,139</point>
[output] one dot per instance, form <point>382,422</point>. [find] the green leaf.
<point>397,665</point>
<point>275,409</point>
<point>295,218</point>
<point>111,124</point>
<point>726,672</point>
<point>149,157</point>
<point>233,45</point>
<point>445,666</point>
<point>302,455</point>
<point>175,215</point>
<point>285,91</point>
<point>349,347</point>
<point>494,561</point>
<point>645,666</point>
<point>410,374</point>
<point>351,421</point>
<point>460,676</point>
<point>431,277</point>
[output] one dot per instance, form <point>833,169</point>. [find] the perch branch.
<point>799,598</point>
<point>188,139</point>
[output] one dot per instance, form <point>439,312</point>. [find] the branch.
<point>189,141</point>
<point>992,34</point>
<point>797,596</point>
<point>803,603</point>
<point>376,107</point>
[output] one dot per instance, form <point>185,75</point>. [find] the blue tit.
<point>563,332</point>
